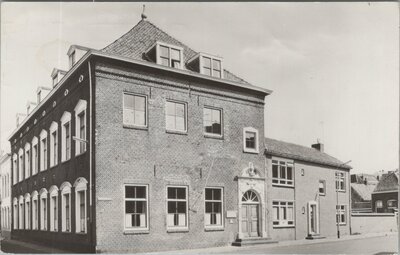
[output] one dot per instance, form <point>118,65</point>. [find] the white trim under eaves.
<point>138,62</point>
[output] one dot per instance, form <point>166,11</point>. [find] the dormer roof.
<point>141,37</point>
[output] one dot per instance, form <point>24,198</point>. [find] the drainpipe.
<point>91,152</point>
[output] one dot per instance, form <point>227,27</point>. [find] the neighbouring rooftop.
<point>388,182</point>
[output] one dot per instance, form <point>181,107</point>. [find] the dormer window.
<point>75,53</point>
<point>57,75</point>
<point>166,55</point>
<point>207,64</point>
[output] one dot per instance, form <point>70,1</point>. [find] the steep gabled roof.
<point>142,36</point>
<point>388,182</point>
<point>299,152</point>
<point>363,190</point>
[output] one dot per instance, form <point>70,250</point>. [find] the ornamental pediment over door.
<point>251,172</point>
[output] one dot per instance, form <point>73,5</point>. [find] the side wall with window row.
<point>159,159</point>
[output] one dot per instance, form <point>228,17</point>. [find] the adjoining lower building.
<point>308,190</point>
<point>386,194</point>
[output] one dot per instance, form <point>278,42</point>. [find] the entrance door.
<point>313,223</point>
<point>250,215</point>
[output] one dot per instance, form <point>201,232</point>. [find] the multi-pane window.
<point>80,127</point>
<point>15,224</point>
<point>340,181</point>
<point>321,188</point>
<point>211,67</point>
<point>21,165</point>
<point>66,211</point>
<point>392,203</point>
<point>212,121</point>
<point>15,169</point>
<point>27,160</point>
<point>43,154</point>
<point>35,156</point>
<point>213,207</point>
<point>81,211</point>
<point>27,214</point>
<point>53,149</point>
<point>65,136</point>
<point>378,206</point>
<point>283,213</point>
<point>134,113</point>
<point>53,208</point>
<point>176,116</point>
<point>341,214</point>
<point>67,140</point>
<point>177,207</point>
<point>250,140</point>
<point>282,173</point>
<point>82,133</point>
<point>136,203</point>
<point>169,56</point>
<point>43,212</point>
<point>21,214</point>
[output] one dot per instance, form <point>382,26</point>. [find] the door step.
<point>315,236</point>
<point>252,241</point>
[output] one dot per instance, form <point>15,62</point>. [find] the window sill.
<point>210,229</point>
<point>282,185</point>
<point>178,230</point>
<point>340,190</point>
<point>251,151</point>
<point>135,127</point>
<point>136,232</point>
<point>288,226</point>
<point>322,194</point>
<point>176,132</point>
<point>218,137</point>
<point>81,233</point>
<point>342,224</point>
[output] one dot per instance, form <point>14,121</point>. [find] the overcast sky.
<point>333,67</point>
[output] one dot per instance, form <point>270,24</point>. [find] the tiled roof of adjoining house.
<point>363,190</point>
<point>141,37</point>
<point>388,182</point>
<point>299,152</point>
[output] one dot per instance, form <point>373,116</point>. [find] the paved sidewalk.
<point>230,249</point>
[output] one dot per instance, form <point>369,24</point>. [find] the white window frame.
<point>280,181</point>
<point>147,227</point>
<point>53,152</point>
<point>15,212</point>
<point>283,222</point>
<point>214,226</point>
<point>341,210</point>
<point>80,186</point>
<point>392,207</point>
<point>15,168</point>
<point>35,158</point>
<point>66,118</point>
<point>27,207</point>
<point>21,207</point>
<point>202,71</point>
<point>28,155</point>
<point>80,107</point>
<point>185,116</point>
<point>43,216</point>
<point>65,190</point>
<point>250,130</point>
<point>21,165</point>
<point>35,210</point>
<point>170,46</point>
<point>53,207</point>
<point>221,121</point>
<point>340,177</point>
<point>186,226</point>
<point>145,109</point>
<point>324,185</point>
<point>43,157</point>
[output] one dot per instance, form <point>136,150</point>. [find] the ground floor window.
<point>35,214</point>
<point>213,207</point>
<point>66,212</point>
<point>136,202</point>
<point>80,211</point>
<point>53,213</point>
<point>27,214</point>
<point>15,223</point>
<point>283,213</point>
<point>177,207</point>
<point>43,213</point>
<point>21,215</point>
<point>341,214</point>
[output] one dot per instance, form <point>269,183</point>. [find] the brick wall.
<point>157,158</point>
<point>384,197</point>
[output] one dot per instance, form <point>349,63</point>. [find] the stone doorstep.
<point>253,241</point>
<point>315,236</point>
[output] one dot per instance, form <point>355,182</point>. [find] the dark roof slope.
<point>364,191</point>
<point>142,36</point>
<point>388,182</point>
<point>295,151</point>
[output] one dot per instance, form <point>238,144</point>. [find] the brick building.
<point>148,145</point>
<point>309,191</point>
<point>386,194</point>
<point>5,193</point>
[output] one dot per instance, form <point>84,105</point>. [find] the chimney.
<point>318,146</point>
<point>30,106</point>
<point>19,118</point>
<point>56,76</point>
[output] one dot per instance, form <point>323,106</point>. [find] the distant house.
<point>367,179</point>
<point>385,195</point>
<point>361,197</point>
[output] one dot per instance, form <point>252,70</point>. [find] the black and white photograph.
<point>199,127</point>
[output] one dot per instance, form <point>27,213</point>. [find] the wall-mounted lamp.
<point>302,172</point>
<point>303,210</point>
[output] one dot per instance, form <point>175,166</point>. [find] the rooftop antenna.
<point>144,15</point>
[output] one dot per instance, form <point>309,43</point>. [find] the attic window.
<point>207,64</point>
<point>166,55</point>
